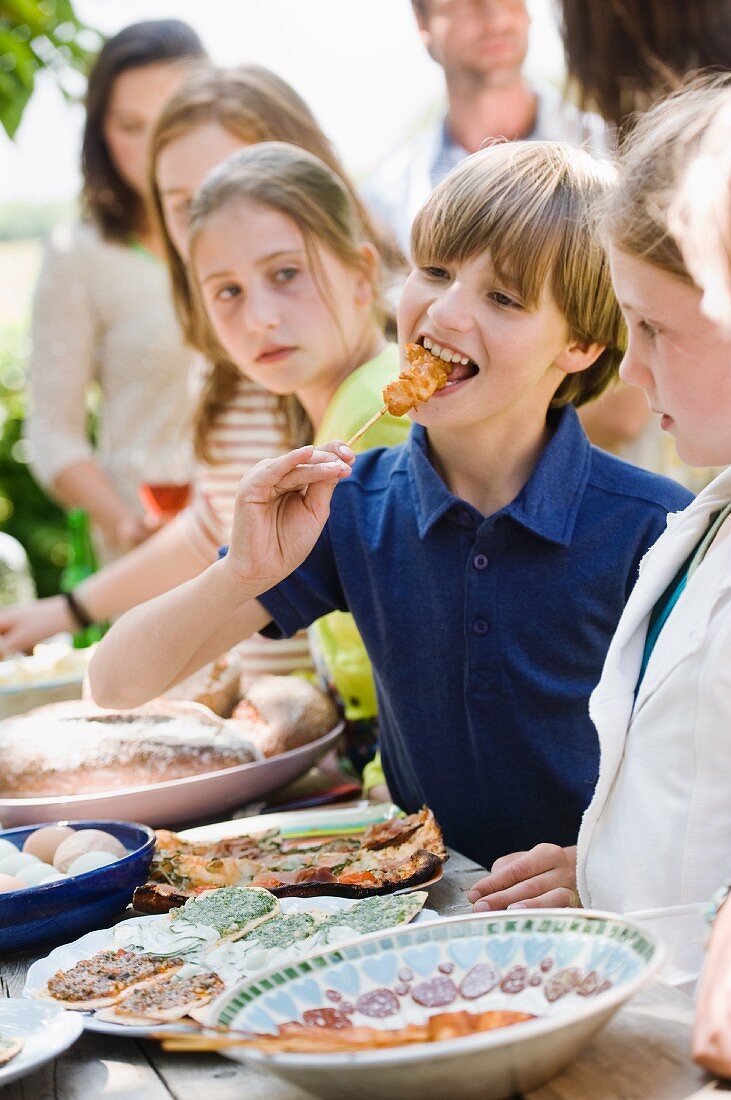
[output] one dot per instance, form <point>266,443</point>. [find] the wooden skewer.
<point>362,431</point>
<point>198,1043</point>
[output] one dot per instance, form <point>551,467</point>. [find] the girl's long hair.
<point>622,55</point>
<point>653,160</point>
<point>255,105</point>
<point>107,200</point>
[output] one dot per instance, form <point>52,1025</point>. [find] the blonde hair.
<point>700,214</point>
<point>256,105</point>
<point>652,161</point>
<point>531,205</point>
<point>295,183</point>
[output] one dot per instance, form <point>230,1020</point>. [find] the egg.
<point>34,873</point>
<point>8,883</point>
<point>90,861</point>
<point>55,876</point>
<point>10,865</point>
<point>7,849</point>
<point>44,842</point>
<point>86,840</point>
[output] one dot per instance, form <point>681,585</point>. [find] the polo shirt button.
<point>464,518</point>
<point>479,561</point>
<point>480,626</point>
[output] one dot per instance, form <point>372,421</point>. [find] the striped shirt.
<point>251,427</point>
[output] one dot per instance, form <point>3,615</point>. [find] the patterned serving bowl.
<point>571,969</point>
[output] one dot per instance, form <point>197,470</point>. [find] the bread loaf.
<point>77,748</point>
<point>279,713</point>
<point>216,686</point>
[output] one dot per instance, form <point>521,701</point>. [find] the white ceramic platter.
<point>46,1032</point>
<point>169,804</point>
<point>67,955</point>
<point>319,821</point>
<point>20,698</point>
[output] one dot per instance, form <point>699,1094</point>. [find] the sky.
<point>358,63</point>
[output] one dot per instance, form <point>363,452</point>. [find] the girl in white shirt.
<point>700,218</point>
<point>656,838</point>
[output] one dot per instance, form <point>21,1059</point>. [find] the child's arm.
<point>374,781</point>
<point>156,566</point>
<point>543,878</point>
<point>281,508</point>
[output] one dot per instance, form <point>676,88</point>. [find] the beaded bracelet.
<point>77,609</point>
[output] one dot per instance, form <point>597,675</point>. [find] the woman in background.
<point>102,312</point>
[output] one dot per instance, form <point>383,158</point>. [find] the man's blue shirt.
<point>486,634</point>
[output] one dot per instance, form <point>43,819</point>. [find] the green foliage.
<point>25,510</point>
<point>36,35</point>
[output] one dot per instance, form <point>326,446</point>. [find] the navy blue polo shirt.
<point>487,634</point>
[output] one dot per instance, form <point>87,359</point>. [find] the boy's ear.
<point>578,356</point>
<point>422,21</point>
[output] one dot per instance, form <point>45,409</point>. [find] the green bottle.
<point>81,565</point>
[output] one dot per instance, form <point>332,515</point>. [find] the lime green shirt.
<point>336,645</point>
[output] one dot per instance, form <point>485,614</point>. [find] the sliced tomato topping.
<point>268,881</point>
<point>358,878</point>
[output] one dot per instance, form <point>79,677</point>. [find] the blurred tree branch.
<point>37,35</point>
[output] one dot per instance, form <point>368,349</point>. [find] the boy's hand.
<point>543,878</point>
<point>281,508</point>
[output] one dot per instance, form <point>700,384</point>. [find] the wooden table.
<point>643,1054</point>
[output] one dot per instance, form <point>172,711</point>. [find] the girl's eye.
<point>503,299</point>
<point>648,329</point>
<point>285,274</point>
<point>227,293</point>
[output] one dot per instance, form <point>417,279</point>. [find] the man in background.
<point>481,45</point>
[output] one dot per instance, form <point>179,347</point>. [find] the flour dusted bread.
<point>284,712</point>
<point>216,686</point>
<point>78,748</point>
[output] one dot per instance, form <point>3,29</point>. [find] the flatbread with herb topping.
<point>233,911</point>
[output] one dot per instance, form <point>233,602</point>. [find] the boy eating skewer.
<point>488,559</point>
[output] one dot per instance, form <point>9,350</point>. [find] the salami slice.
<point>479,981</point>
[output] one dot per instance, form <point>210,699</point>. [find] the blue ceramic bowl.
<point>61,911</point>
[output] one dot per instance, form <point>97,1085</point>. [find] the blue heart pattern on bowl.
<point>422,959</point>
<point>345,979</point>
<point>527,964</point>
<point>467,952</point>
<point>381,971</point>
<point>308,991</point>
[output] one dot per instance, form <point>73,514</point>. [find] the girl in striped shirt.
<point>238,423</point>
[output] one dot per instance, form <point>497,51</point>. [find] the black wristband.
<point>77,609</point>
